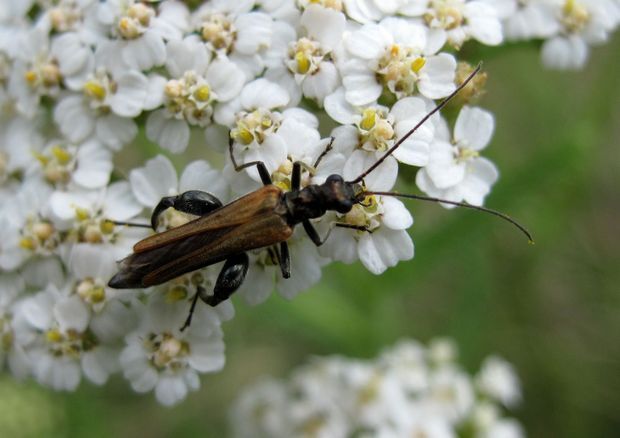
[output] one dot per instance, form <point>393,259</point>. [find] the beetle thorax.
<point>315,200</point>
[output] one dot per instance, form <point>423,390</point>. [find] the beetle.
<point>265,218</point>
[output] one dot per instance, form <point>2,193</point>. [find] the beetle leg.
<point>199,291</point>
<point>316,239</point>
<point>193,202</point>
<point>296,176</point>
<point>260,166</point>
<point>353,227</point>
<point>230,278</point>
<point>285,260</point>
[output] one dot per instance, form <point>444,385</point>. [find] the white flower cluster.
<point>410,390</point>
<point>80,78</point>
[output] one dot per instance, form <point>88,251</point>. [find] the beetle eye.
<point>334,178</point>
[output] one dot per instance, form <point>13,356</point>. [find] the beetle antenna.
<point>458,204</point>
<point>131,224</point>
<point>415,128</point>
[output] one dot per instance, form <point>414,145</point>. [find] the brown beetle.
<point>263,218</point>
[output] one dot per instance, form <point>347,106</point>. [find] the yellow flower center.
<point>219,31</point>
<point>575,16</point>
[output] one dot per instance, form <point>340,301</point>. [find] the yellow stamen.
<point>53,336</point>
<point>106,227</point>
<point>418,64</point>
<point>244,136</point>
<point>176,293</point>
<point>95,90</point>
<point>368,119</point>
<point>303,63</point>
<point>31,77</point>
<point>61,155</point>
<point>27,243</point>
<point>202,94</point>
<point>81,214</point>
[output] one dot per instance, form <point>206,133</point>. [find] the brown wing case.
<point>253,222</point>
<point>240,211</point>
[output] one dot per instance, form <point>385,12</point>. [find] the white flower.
<point>160,357</point>
<point>198,84</point>
<point>36,72</point>
<point>264,274</point>
<point>456,21</point>
<point>88,165</point>
<point>498,380</point>
<point>304,65</point>
<point>52,329</point>
<point>396,55</point>
<point>455,171</point>
<point>584,23</point>
<point>158,178</point>
<point>335,396</point>
<point>25,232</point>
<point>531,19</point>
<point>376,130</point>
<point>257,128</point>
<point>87,215</point>
<point>384,246</point>
<point>233,29</point>
<point>143,30</point>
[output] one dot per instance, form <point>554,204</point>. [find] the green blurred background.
<point>552,309</point>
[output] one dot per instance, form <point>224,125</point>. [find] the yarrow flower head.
<point>402,392</point>
<point>316,91</point>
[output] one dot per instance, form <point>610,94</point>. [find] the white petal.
<point>437,76</point>
<point>226,79</point>
<point>74,118</point>
<point>199,175</point>
<point>474,128</point>
<point>322,83</point>
<point>94,165</point>
<point>115,131</point>
<point>362,89</point>
<point>153,181</point>
<point>169,133</point>
<point>145,52</point>
<point>120,204</point>
<point>324,25</point>
<point>130,95</point>
<point>170,390</point>
<point>564,53</point>
<point>370,42</point>
<point>71,313</point>
<point>262,93</point>
<point>186,55</point>
<point>253,32</point>
<point>155,91</point>
<point>395,216</point>
<point>337,107</point>
<point>382,178</point>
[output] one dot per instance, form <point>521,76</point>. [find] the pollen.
<point>42,230</point>
<point>203,93</point>
<point>92,234</point>
<point>141,13</point>
<point>176,293</point>
<point>107,227</point>
<point>27,243</point>
<point>53,336</point>
<point>128,28</point>
<point>61,155</point>
<point>368,119</point>
<point>244,136</point>
<point>82,214</point>
<point>418,64</point>
<point>95,90</point>
<point>575,15</point>
<point>303,63</point>
<point>31,77</point>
